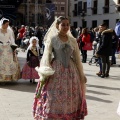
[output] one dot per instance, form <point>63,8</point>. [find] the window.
<point>75,24</point>
<point>39,1</point>
<point>48,1</point>
<point>94,23</point>
<point>106,7</point>
<point>56,8</point>
<point>106,2</point>
<point>79,7</point>
<point>107,22</point>
<point>75,10</point>
<point>62,8</point>
<point>84,23</point>
<point>85,6</point>
<point>94,9</point>
<point>117,20</point>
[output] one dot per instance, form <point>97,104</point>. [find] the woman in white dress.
<point>9,66</point>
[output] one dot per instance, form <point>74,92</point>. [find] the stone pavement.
<point>103,95</point>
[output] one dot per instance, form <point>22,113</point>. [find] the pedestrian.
<point>74,32</point>
<point>20,35</point>
<point>85,43</point>
<point>105,49</point>
<point>98,40</point>
<point>32,61</point>
<point>38,33</point>
<point>9,66</point>
<point>63,93</point>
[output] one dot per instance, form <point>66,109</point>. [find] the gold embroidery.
<point>33,49</point>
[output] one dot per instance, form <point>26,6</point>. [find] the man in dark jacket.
<point>105,49</point>
<point>38,34</point>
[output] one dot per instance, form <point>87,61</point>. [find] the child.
<point>33,54</point>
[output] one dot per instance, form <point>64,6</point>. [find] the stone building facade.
<point>32,13</point>
<point>91,13</point>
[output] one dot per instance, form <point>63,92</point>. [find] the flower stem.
<point>39,89</point>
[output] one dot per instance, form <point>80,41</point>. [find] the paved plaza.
<point>103,95</point>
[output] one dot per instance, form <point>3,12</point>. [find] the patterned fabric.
<point>28,71</point>
<point>61,97</point>
<point>9,66</point>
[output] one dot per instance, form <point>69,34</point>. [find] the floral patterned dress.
<point>61,97</point>
<point>9,66</point>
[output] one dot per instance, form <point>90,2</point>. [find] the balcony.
<point>94,10</point>
<point>117,8</point>
<point>106,9</point>
<point>74,12</point>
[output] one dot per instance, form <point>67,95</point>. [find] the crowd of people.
<point>105,44</point>
<point>61,90</point>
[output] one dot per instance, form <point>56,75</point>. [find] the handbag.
<point>82,44</point>
<point>87,46</point>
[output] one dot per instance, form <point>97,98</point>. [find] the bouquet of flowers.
<point>43,72</point>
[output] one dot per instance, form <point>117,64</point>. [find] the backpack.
<point>117,29</point>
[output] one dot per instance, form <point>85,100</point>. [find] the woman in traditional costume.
<point>32,60</point>
<point>9,66</point>
<point>62,96</point>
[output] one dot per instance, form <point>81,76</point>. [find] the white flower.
<point>44,72</point>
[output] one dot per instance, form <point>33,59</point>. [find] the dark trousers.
<point>100,63</point>
<point>81,49</point>
<point>113,56</point>
<point>19,42</point>
<point>84,55</point>
<point>105,64</point>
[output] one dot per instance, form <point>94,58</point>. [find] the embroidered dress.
<point>28,71</point>
<point>61,97</point>
<point>9,66</point>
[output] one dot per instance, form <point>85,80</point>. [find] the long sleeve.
<point>28,56</point>
<point>12,39</point>
<point>79,64</point>
<point>45,68</point>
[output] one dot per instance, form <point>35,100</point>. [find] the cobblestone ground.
<point>103,95</point>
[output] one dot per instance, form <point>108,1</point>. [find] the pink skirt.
<point>29,72</point>
<point>61,97</point>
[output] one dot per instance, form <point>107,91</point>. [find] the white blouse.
<point>7,38</point>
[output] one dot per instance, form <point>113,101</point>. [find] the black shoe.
<point>83,61</point>
<point>107,75</point>
<point>102,76</point>
<point>33,81</point>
